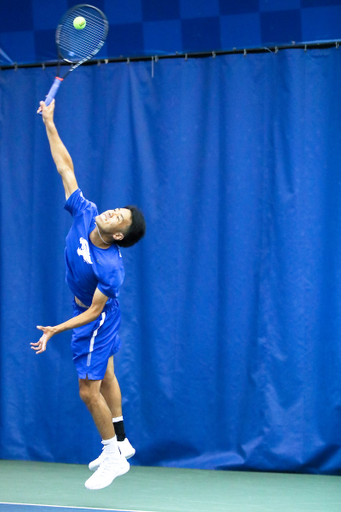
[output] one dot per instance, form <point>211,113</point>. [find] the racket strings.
<point>82,49</point>
<point>80,45</point>
<point>88,13</point>
<point>86,42</point>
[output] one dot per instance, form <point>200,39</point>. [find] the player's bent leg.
<point>89,391</point>
<point>112,463</point>
<point>111,391</point>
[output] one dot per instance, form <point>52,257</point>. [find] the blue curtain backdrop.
<point>231,326</point>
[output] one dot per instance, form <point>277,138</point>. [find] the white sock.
<point>111,447</point>
<point>116,420</point>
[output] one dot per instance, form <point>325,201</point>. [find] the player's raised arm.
<point>60,154</point>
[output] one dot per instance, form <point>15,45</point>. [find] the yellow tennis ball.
<point>79,22</point>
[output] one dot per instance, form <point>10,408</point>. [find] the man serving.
<point>94,273</point>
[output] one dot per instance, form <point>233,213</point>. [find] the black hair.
<point>136,229</point>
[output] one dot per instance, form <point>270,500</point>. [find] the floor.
<point>46,487</point>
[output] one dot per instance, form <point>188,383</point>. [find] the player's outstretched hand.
<point>40,346</point>
<point>47,112</point>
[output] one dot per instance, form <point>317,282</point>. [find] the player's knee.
<point>87,394</point>
<point>83,393</point>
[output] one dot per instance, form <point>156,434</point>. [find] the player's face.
<point>114,221</point>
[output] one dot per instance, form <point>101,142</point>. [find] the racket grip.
<point>53,91</point>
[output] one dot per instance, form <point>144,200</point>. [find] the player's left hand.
<point>40,346</point>
<point>47,111</point>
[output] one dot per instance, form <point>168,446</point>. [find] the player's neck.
<point>98,240</point>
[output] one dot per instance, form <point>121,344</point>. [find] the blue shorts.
<point>94,343</point>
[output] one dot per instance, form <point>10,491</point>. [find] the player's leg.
<point>89,391</point>
<point>111,391</point>
<point>113,464</point>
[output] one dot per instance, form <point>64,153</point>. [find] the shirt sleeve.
<point>77,203</point>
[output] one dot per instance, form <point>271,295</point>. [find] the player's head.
<point>136,230</point>
<point>122,226</point>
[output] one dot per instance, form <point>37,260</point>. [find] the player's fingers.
<point>51,106</point>
<point>39,347</point>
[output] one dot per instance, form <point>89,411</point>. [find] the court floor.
<point>46,487</point>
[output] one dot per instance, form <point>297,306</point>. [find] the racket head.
<point>77,46</point>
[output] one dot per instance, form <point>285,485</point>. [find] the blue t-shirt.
<point>88,266</point>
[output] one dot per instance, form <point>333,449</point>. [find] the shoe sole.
<point>130,455</point>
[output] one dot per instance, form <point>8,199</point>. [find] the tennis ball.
<point>79,22</point>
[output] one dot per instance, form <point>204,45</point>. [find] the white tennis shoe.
<point>110,468</point>
<point>125,448</point>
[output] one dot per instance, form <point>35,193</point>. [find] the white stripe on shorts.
<point>92,341</point>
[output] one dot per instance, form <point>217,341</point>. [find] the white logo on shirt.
<point>84,251</point>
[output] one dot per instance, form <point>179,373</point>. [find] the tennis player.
<point>94,273</point>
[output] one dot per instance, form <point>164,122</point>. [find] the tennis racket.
<point>76,46</point>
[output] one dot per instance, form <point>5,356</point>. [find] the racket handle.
<point>53,91</point>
